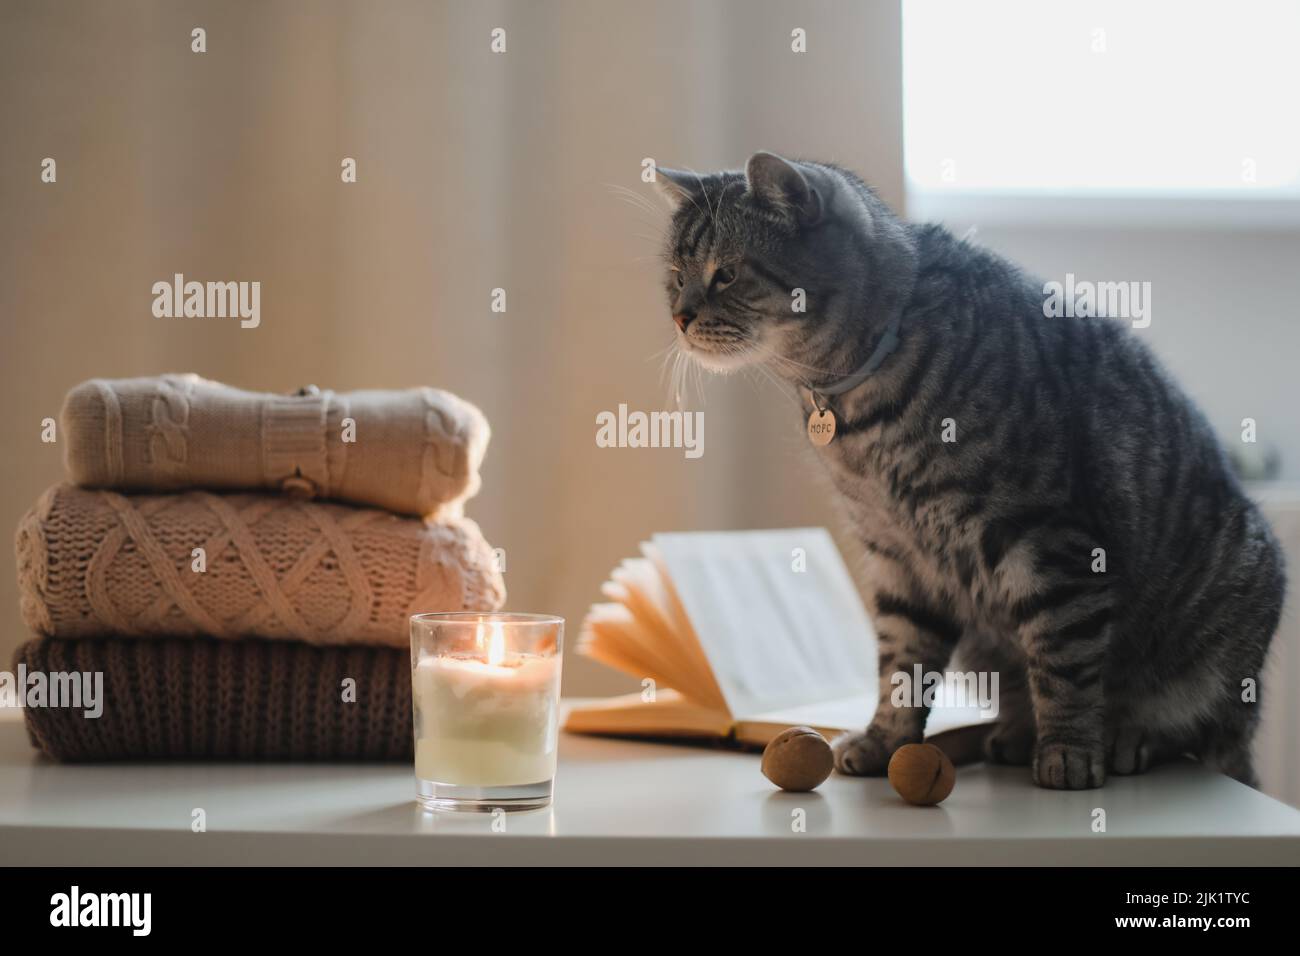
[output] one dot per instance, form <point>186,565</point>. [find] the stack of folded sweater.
<point>232,613</point>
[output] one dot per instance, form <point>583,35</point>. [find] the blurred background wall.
<point>475,171</point>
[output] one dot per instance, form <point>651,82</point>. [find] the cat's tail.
<point>1228,750</point>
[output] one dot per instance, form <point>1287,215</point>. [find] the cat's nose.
<point>684,319</point>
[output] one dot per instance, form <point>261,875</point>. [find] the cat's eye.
<point>680,278</point>
<point>723,277</point>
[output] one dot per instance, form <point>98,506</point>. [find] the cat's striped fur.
<point>1073,447</point>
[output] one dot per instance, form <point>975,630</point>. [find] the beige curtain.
<point>476,171</point>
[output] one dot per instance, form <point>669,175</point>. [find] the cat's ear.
<point>679,185</point>
<point>782,185</point>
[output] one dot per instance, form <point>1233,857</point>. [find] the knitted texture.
<point>247,700</point>
<point>413,452</point>
<point>96,563</point>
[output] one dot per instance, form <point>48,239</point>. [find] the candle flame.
<point>496,652</point>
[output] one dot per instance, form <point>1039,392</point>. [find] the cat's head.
<point>757,261</point>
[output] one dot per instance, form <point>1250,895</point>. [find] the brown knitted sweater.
<point>246,700</point>
<point>100,564</point>
<point>413,452</point>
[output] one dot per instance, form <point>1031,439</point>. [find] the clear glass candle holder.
<point>485,689</point>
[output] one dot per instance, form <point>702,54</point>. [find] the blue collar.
<point>884,348</point>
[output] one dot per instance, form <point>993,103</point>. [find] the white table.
<point>619,803</point>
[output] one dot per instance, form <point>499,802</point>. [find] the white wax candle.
<point>486,725</point>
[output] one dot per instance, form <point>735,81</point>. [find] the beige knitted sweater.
<point>99,564</point>
<point>414,452</point>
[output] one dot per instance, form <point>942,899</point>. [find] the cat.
<point>1035,493</point>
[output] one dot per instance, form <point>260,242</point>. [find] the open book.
<point>736,636</point>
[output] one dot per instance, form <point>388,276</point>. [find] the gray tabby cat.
<point>1074,452</point>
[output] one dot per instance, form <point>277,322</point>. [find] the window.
<point>1129,100</point>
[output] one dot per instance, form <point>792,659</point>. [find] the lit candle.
<point>487,715</point>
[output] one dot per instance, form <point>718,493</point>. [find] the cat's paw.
<point>1010,744</point>
<point>1131,751</point>
<point>1061,766</point>
<point>865,754</point>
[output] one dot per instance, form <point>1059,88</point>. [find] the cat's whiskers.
<point>704,193</point>
<point>780,385</point>
<point>659,233</point>
<point>658,226</point>
<point>664,353</point>
<point>668,362</point>
<point>679,375</point>
<point>773,356</point>
<point>633,198</point>
<point>756,369</point>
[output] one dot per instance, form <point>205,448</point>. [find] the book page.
<point>776,614</point>
<point>648,595</point>
<point>615,636</point>
<point>854,713</point>
<point>668,715</point>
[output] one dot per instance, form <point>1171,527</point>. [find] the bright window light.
<point>1145,98</point>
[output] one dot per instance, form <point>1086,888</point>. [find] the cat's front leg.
<point>912,632</point>
<point>1066,651</point>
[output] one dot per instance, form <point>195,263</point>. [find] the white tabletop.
<point>618,802</point>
